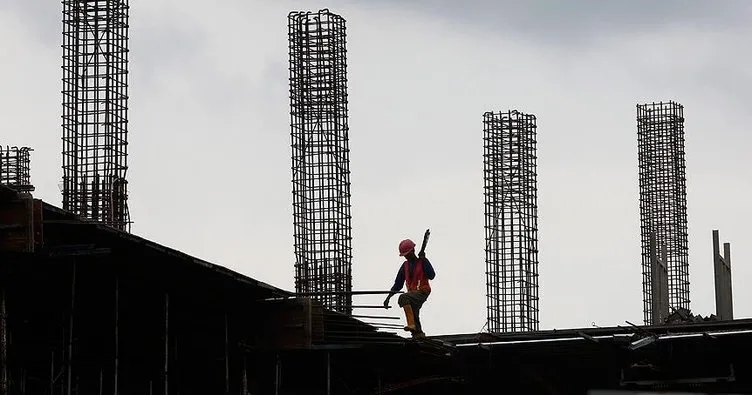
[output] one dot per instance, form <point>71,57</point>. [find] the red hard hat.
<point>406,246</point>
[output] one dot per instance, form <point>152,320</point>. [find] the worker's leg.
<point>411,302</point>
<point>417,303</point>
<point>404,302</point>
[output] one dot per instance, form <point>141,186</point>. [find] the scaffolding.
<point>511,221</point>
<point>15,168</point>
<point>95,106</point>
<point>663,199</point>
<point>320,158</point>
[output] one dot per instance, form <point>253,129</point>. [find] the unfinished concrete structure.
<point>511,221</point>
<point>663,200</point>
<point>320,158</point>
<point>724,303</point>
<point>659,281</point>
<point>89,309</point>
<point>95,110</point>
<point>15,168</point>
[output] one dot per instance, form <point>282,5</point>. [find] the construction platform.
<point>88,309</point>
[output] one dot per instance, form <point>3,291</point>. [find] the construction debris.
<point>682,315</point>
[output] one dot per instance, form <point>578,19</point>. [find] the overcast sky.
<point>209,135</point>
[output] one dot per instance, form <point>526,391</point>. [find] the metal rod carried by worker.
<point>415,273</point>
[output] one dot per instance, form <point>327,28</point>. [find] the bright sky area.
<point>209,135</point>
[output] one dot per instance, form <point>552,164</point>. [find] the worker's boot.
<point>410,327</point>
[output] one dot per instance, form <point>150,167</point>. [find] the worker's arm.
<point>428,269</point>
<point>399,281</point>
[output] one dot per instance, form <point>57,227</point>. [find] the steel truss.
<point>511,221</point>
<point>95,107</point>
<point>320,157</point>
<point>663,199</point>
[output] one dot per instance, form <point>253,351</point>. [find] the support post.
<point>328,374</point>
<point>117,335</point>
<point>69,360</point>
<point>277,376</point>
<point>722,273</point>
<point>728,299</point>
<point>166,343</point>
<point>659,297</point>
<point>654,286</point>
<point>244,384</point>
<point>227,360</point>
<point>663,291</point>
<point>3,343</point>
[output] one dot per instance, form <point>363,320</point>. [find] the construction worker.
<point>415,273</point>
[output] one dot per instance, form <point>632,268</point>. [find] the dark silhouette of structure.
<point>15,168</point>
<point>95,110</point>
<point>663,200</point>
<point>320,158</point>
<point>511,221</point>
<point>88,309</point>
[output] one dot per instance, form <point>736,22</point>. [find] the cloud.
<point>554,23</point>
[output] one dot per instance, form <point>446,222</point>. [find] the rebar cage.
<point>511,221</point>
<point>15,166</point>
<point>95,106</point>
<point>320,157</point>
<point>663,198</point>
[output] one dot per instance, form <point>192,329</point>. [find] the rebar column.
<point>663,199</point>
<point>511,221</point>
<point>95,110</point>
<point>320,158</point>
<point>15,168</point>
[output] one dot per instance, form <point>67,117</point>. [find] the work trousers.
<point>415,299</point>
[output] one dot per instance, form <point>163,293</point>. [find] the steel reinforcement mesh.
<point>320,158</point>
<point>95,106</point>
<point>663,198</point>
<point>511,221</point>
<point>15,166</point>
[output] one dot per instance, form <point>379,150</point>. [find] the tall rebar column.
<point>15,166</point>
<point>663,199</point>
<point>320,157</point>
<point>511,221</point>
<point>95,107</point>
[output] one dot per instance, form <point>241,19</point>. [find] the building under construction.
<point>86,307</point>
